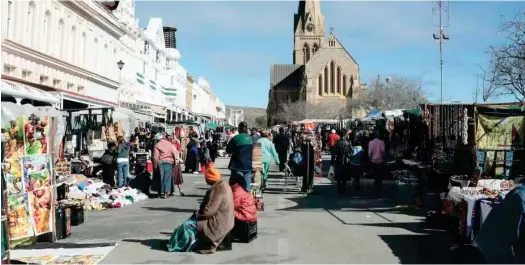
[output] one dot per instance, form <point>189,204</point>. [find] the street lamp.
<point>120,65</point>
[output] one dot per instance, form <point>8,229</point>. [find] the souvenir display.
<point>36,172</point>
<point>19,217</point>
<point>46,259</point>
<point>14,138</point>
<point>13,176</point>
<point>35,134</point>
<point>40,202</point>
<point>78,259</point>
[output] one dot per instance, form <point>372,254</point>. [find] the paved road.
<point>323,228</point>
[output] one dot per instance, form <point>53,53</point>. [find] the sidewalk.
<point>323,228</point>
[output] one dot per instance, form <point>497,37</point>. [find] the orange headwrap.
<point>212,175</point>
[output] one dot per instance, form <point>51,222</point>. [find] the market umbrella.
<point>211,125</point>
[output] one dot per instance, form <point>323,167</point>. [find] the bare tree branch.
<point>398,93</point>
<point>507,66</point>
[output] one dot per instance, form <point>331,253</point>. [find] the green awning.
<point>169,94</point>
<point>211,125</point>
<point>416,112</point>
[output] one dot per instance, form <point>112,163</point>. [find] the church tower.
<point>308,30</point>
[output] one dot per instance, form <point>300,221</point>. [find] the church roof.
<point>279,72</point>
<point>341,44</point>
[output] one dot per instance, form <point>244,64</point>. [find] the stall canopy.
<point>374,115</point>
<point>211,125</point>
<point>394,113</point>
<point>20,90</point>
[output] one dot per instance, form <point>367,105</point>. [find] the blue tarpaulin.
<point>374,115</point>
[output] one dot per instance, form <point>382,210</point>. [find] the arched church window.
<point>30,24</point>
<point>351,92</point>
<point>332,77</point>
<point>320,85</point>
<point>315,48</point>
<point>338,80</point>
<point>325,80</point>
<point>344,85</point>
<point>306,53</point>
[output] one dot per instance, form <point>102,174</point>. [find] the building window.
<point>31,12</point>
<point>25,74</point>
<point>143,67</point>
<point>320,85</point>
<point>345,87</point>
<point>56,83</point>
<point>8,69</point>
<point>95,55</point>
<point>43,79</point>
<point>70,86</point>
<point>105,55</point>
<point>351,92</point>
<point>332,77</point>
<point>325,80</point>
<point>306,53</point>
<point>146,47</point>
<point>80,89</point>
<point>338,80</point>
<point>315,48</point>
<point>60,33</point>
<point>82,49</point>
<point>172,81</point>
<point>156,71</point>
<point>47,24</point>
<point>72,45</point>
<point>9,21</point>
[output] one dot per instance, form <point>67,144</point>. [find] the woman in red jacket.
<point>243,203</point>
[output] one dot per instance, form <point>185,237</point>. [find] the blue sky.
<point>233,44</point>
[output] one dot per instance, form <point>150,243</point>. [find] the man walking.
<point>282,144</point>
<point>376,154</point>
<point>240,147</point>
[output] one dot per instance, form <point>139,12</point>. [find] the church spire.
<point>309,19</point>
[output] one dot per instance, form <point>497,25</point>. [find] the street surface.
<point>321,228</point>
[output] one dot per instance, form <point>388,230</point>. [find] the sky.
<point>233,44</point>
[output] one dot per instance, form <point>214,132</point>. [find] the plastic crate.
<point>77,215</point>
<point>244,232</point>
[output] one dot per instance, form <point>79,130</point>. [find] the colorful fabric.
<point>184,238</point>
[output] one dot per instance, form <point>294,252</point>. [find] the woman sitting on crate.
<point>206,229</point>
<point>243,203</point>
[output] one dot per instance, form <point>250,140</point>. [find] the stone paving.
<point>322,228</point>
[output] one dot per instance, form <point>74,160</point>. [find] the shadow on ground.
<point>156,244</point>
<point>170,209</point>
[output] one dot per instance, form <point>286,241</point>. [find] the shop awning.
<point>394,113</point>
<point>374,115</point>
<point>88,100</point>
<point>16,89</point>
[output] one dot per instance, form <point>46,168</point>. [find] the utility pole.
<point>440,9</point>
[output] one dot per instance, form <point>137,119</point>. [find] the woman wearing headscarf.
<point>206,229</point>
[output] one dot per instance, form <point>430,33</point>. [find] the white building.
<point>234,116</point>
<point>68,48</point>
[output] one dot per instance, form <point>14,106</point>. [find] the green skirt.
<point>184,237</point>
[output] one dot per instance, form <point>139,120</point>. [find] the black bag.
<point>107,159</point>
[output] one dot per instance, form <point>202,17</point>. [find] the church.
<point>323,71</point>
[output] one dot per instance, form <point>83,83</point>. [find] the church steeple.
<point>308,30</point>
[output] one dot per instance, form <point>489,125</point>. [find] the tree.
<point>396,93</point>
<point>260,121</point>
<point>300,110</point>
<point>506,73</point>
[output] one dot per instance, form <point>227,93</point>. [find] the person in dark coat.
<point>282,144</point>
<point>341,161</point>
<point>192,157</point>
<point>109,162</point>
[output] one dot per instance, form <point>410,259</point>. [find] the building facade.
<point>69,48</point>
<point>93,53</point>
<point>234,116</point>
<point>323,71</point>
